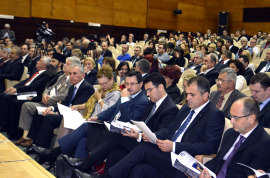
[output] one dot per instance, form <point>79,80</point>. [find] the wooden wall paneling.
<point>130,13</point>
<point>160,14</point>
<point>15,7</point>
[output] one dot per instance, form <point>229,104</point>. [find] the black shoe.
<point>73,162</point>
<point>80,174</point>
<point>40,150</point>
<point>30,150</point>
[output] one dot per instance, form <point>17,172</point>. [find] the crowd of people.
<point>184,86</point>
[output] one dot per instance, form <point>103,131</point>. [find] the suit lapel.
<point>160,108</point>
<point>228,144</point>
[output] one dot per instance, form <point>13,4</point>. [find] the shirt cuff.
<point>124,99</point>
<point>173,150</point>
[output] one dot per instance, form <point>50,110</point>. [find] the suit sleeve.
<point>210,138</point>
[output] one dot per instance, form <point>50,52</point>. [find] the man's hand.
<point>47,111</point>
<point>145,138</point>
<point>205,174</point>
<point>132,133</point>
<point>125,93</point>
<point>45,99</point>
<point>165,145</point>
<point>11,90</point>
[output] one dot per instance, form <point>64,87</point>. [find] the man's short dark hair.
<point>201,82</point>
<point>156,78</point>
<point>261,78</point>
<point>245,58</point>
<point>250,106</point>
<point>228,54</point>
<point>138,75</point>
<point>230,40</point>
<point>144,65</point>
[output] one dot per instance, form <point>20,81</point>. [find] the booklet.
<point>145,129</point>
<point>257,173</point>
<point>119,126</point>
<point>26,95</point>
<point>40,109</point>
<point>188,164</point>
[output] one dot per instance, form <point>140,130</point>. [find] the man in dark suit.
<point>198,130</point>
<point>264,66</point>
<point>260,90</point>
<point>25,57</point>
<point>131,106</point>
<point>226,93</point>
<point>78,93</point>
<point>137,56</point>
<point>159,117</point>
<point>210,73</point>
<point>224,62</point>
<point>12,69</point>
<point>231,47</point>
<point>197,64</point>
<point>245,143</point>
<point>248,71</point>
<point>10,106</point>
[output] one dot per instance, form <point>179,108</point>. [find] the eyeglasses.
<point>149,89</point>
<point>131,84</point>
<point>237,117</point>
<point>221,80</point>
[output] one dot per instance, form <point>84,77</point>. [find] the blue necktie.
<point>183,126</point>
<point>73,95</point>
<point>223,170</point>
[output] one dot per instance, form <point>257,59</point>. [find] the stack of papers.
<point>143,127</point>
<point>189,165</point>
<point>26,95</point>
<point>119,127</point>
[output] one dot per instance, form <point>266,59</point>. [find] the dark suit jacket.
<point>248,74</point>
<point>211,76</point>
<point>261,66</point>
<point>27,61</point>
<point>130,110</point>
<point>252,152</point>
<point>264,116</point>
<point>174,93</point>
<point>38,84</point>
<point>197,68</point>
<point>234,49</point>
<point>204,134</point>
<point>235,95</point>
<point>91,77</point>
<point>164,116</point>
<point>84,92</point>
<point>11,70</point>
<point>221,66</point>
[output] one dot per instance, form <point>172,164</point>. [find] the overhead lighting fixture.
<point>91,24</point>
<point>6,16</point>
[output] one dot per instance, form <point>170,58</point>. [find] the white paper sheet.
<point>26,95</point>
<point>40,109</point>
<point>257,173</point>
<point>143,127</point>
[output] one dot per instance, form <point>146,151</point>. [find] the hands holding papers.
<point>148,135</point>
<point>130,133</point>
<point>258,173</point>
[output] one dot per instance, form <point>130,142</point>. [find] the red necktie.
<point>29,80</point>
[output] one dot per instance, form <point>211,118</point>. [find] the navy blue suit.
<point>42,132</point>
<point>74,141</point>
<point>201,137</point>
<point>252,152</point>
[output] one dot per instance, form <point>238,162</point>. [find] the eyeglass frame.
<point>237,117</point>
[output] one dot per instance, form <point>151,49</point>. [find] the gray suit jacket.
<point>61,87</point>
<point>235,95</point>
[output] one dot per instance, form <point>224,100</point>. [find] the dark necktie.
<point>183,126</point>
<point>151,113</point>
<point>223,170</point>
<point>220,101</point>
<point>73,95</point>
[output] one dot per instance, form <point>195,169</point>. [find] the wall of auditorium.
<point>197,15</point>
<point>235,8</point>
